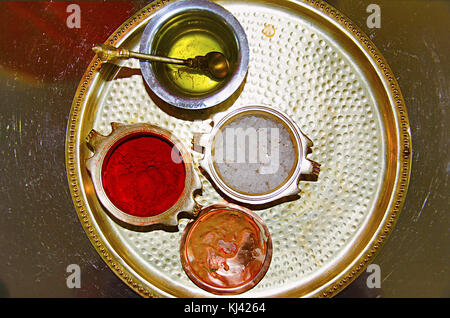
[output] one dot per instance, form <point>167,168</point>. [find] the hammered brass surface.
<point>40,231</point>
<point>344,104</point>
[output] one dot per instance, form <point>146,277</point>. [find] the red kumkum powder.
<point>143,175</point>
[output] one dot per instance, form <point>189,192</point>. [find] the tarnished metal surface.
<point>37,90</point>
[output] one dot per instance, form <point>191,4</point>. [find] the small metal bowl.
<point>168,33</point>
<point>103,145</point>
<point>226,250</point>
<point>285,185</point>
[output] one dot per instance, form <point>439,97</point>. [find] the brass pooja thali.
<point>313,64</point>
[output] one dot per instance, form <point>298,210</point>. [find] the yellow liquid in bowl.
<point>190,45</point>
<point>186,36</point>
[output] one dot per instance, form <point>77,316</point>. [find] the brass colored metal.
<point>100,145</point>
<point>328,76</point>
<point>215,63</point>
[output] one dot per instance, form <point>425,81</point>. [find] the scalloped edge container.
<point>304,167</point>
<point>101,145</point>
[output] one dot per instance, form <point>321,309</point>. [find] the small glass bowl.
<point>226,250</point>
<point>186,29</point>
<point>102,146</point>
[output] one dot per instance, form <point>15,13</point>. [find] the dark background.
<point>41,64</point>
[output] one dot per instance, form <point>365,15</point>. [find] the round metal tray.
<point>313,63</point>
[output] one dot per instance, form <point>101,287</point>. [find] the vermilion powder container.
<point>128,188</point>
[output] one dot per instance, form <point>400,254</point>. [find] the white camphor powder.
<point>254,153</point>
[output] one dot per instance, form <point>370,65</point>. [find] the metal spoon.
<point>214,62</point>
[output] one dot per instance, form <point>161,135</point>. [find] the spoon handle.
<point>155,58</point>
<point>109,53</point>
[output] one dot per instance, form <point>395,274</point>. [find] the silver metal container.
<point>289,186</point>
<point>199,17</point>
